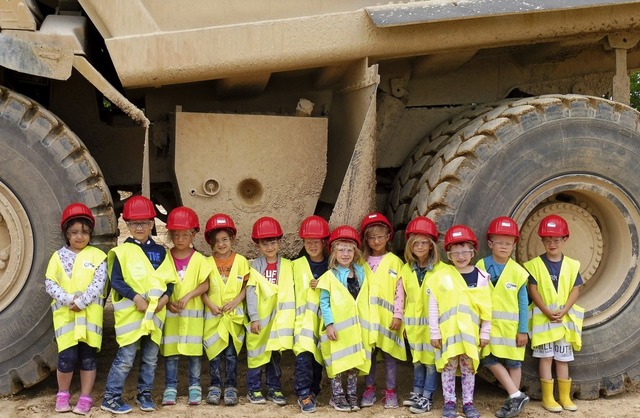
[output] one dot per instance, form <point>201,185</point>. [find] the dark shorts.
<point>490,360</point>
<point>81,353</point>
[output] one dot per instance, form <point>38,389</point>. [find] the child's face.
<point>222,244</point>
<point>421,247</point>
<point>460,254</point>
<point>345,253</point>
<point>501,246</point>
<point>140,229</point>
<point>269,248</point>
<point>78,236</point>
<point>182,238</point>
<point>553,246</point>
<point>314,248</point>
<point>377,237</point>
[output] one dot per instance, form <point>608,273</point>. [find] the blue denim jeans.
<point>273,371</point>
<point>171,370</point>
<point>231,367</point>
<point>307,375</point>
<point>425,379</point>
<point>123,363</point>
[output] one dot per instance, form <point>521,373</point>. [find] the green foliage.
<point>635,90</point>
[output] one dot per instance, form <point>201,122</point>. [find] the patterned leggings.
<point>449,379</point>
<point>352,381</point>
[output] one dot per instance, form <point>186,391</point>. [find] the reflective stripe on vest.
<point>281,334</point>
<point>350,350</point>
<point>542,330</point>
<point>84,326</point>
<point>138,273</point>
<point>382,290</point>
<point>227,327</point>
<point>266,294</point>
<point>306,334</point>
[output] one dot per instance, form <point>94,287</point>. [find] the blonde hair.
<point>357,254</point>
<point>434,253</point>
<point>366,250</point>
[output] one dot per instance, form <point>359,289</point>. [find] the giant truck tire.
<point>43,167</point>
<point>575,156</point>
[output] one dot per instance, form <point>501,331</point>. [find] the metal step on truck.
<point>458,110</point>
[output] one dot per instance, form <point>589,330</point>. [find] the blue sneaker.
<point>115,406</point>
<point>146,403</point>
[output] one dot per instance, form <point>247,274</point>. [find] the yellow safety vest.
<point>351,349</point>
<point>542,330</point>
<point>505,314</point>
<point>220,329</point>
<point>84,326</point>
<point>306,334</point>
<point>137,270</point>
<point>382,290</point>
<point>182,332</point>
<point>461,310</point>
<point>416,313</point>
<point>276,311</point>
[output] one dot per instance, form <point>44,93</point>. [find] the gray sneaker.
<point>423,405</point>
<point>230,396</point>
<point>413,399</point>
<point>213,397</point>
<point>512,406</point>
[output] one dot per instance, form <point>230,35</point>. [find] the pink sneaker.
<point>62,402</point>
<point>84,405</point>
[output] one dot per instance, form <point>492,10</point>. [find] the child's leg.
<point>468,379</point>
<point>503,376</point>
<point>419,375</point>
<point>67,360</point>
<point>195,369</point>
<point>148,361</point>
<point>352,383</point>
<point>317,376</point>
<point>370,379</point>
<point>274,372</point>
<point>171,371</point>
<point>514,368</point>
<point>449,380</point>
<point>303,374</point>
<point>390,369</point>
<point>119,371</point>
<point>336,386</point>
<point>214,371</point>
<point>544,368</point>
<point>254,379</point>
<point>87,357</point>
<point>430,381</point>
<point>231,366</point>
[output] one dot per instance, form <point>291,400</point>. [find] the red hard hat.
<point>138,208</point>
<point>314,227</point>
<point>458,234</point>
<point>503,225</point>
<point>219,221</point>
<point>183,217</point>
<point>375,218</point>
<point>345,232</point>
<point>77,210</point>
<point>266,227</point>
<point>553,226</point>
<point>423,226</point>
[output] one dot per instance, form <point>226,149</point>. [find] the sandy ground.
<point>39,401</point>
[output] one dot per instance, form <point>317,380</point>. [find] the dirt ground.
<point>39,401</point>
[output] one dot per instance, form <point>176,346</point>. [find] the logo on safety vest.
<point>510,286</point>
<point>88,265</point>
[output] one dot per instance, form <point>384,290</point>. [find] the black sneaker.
<point>423,405</point>
<point>256,397</point>
<point>413,399</point>
<point>512,406</point>
<point>276,396</point>
<point>146,403</point>
<point>340,403</point>
<point>307,404</point>
<point>353,402</point>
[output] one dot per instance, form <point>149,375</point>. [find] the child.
<point>344,302</point>
<point>459,319</point>
<point>138,299</point>
<point>75,279</point>
<point>386,304</point>
<point>306,271</point>
<point>509,319</point>
<point>271,309</point>
<point>182,333</point>
<point>224,316</point>
<point>422,261</point>
<point>556,321</point>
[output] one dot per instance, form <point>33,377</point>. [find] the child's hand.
<point>141,303</point>
<point>173,308</point>
<point>74,307</point>
<point>483,342</point>
<point>183,302</point>
<point>313,283</point>
<point>231,305</point>
<point>522,339</point>
<point>332,334</point>
<point>437,344</point>
<point>215,309</point>
<point>395,324</point>
<point>555,316</point>
<point>255,327</point>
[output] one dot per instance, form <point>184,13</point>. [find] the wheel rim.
<point>16,246</point>
<point>603,224</point>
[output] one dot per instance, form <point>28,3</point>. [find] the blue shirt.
<point>341,274</point>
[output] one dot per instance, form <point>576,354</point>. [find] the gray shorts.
<point>560,350</point>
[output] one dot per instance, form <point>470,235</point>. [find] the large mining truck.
<point>458,110</point>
